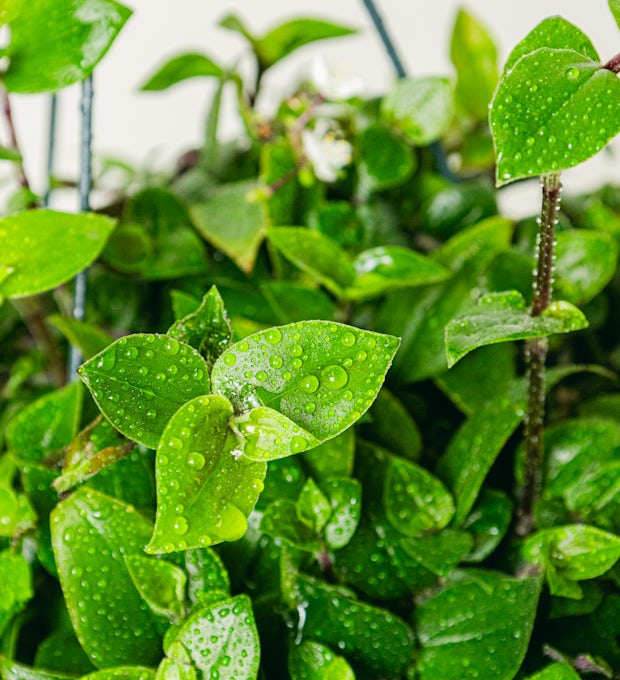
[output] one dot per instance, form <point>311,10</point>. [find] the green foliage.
<point>241,495</point>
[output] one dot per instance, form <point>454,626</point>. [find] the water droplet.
<point>171,346</point>
<point>310,407</point>
<point>273,336</point>
<point>335,377</point>
<point>530,141</point>
<point>143,371</point>
<point>348,395</point>
<point>261,376</point>
<point>196,460</point>
<point>151,414</point>
<point>296,363</point>
<point>348,339</point>
<point>160,377</point>
<point>131,353</point>
<point>175,443</point>
<point>229,359</point>
<point>275,361</point>
<point>107,361</point>
<point>297,350</point>
<point>298,444</point>
<point>242,346</point>
<point>309,384</point>
<point>572,73</point>
<point>172,369</point>
<point>197,374</point>
<point>180,526</point>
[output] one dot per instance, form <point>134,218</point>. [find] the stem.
<point>13,143</point>
<point>536,354</point>
<point>51,147</point>
<point>613,64</point>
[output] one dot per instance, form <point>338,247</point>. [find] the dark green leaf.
<point>15,586</point>
<point>385,160</point>
<point>113,623</point>
<point>313,508</point>
<point>556,671</point>
<point>205,488</point>
<point>321,375</point>
<point>421,107</point>
<point>554,88</point>
<point>233,220</point>
<point>285,479</point>
<point>55,43</point>
<point>488,522</point>
<point>478,627</point>
<point>614,6</point>
<point>415,501</point>
<point>345,498</point>
<point>89,339</point>
<point>206,574</point>
<point>500,317</point>
<point>140,380</point>
<point>439,552</point>
<point>61,651</point>
<point>292,301</point>
<point>182,67</point>
<point>596,496</point>
<point>281,520</point>
<point>333,458</point>
<point>278,168</point>
<point>312,661</point>
<point>29,237</point>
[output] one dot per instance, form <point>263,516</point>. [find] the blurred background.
<point>153,129</point>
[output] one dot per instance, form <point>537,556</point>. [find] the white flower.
<point>335,84</point>
<point>325,151</point>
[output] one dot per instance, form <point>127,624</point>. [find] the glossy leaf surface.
<point>182,67</point>
<point>161,584</point>
<point>313,661</point>
<point>385,160</point>
<point>140,380</point>
<point>205,488</point>
<point>321,375</point>
<point>345,498</point>
<point>15,586</point>
<point>29,237</point>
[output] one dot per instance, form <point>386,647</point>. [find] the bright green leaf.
<point>385,159</point>
<point>614,6</point>
<point>421,107</point>
<point>113,623</point>
<point>206,574</point>
<point>312,661</point>
<point>478,627</point>
<point>7,154</point>
<point>306,371</point>
<point>488,522</point>
<point>177,665</point>
<point>233,220</point>
<point>553,88</point>
<point>205,488</point>
<point>140,380</point>
<point>11,670</point>
<point>55,43</point>
<point>555,671</point>
<point>182,67</point>
<point>345,498</point>
<point>29,237</point>
<point>313,508</point>
<point>414,500</point>
<point>89,339</point>
<point>122,673</point>
<point>15,586</point>
<point>500,317</point>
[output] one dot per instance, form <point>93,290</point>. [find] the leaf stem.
<point>613,64</point>
<point>536,353</point>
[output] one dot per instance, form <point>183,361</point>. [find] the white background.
<point>154,128</point>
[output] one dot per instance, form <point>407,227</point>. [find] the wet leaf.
<point>292,301</point>
<point>312,661</point>
<point>11,670</point>
<point>385,159</point>
<point>222,639</point>
<point>313,508</point>
<point>614,6</point>
<point>177,665</point>
<point>55,43</point>
<point>501,317</point>
<point>89,339</point>
<point>476,627</point>
<point>28,238</point>
<point>415,501</point>
<point>15,586</point>
<point>321,375</point>
<point>182,67</point>
<point>122,673</point>
<point>112,622</point>
<point>488,522</point>
<point>281,520</point>
<point>556,671</point>
<point>140,380</point>
<point>421,108</point>
<point>439,552</point>
<point>345,498</point>
<point>205,490</point>
<point>333,458</point>
<point>553,88</point>
<point>206,574</point>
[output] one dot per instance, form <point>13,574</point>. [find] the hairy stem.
<point>536,353</point>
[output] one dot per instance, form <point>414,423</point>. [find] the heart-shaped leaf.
<point>205,488</point>
<point>113,623</point>
<point>321,375</point>
<point>182,67</point>
<point>500,317</point>
<point>29,237</point>
<point>140,380</point>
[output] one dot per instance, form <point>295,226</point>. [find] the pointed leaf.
<point>312,661</point>
<point>113,623</point>
<point>500,317</point>
<point>554,88</point>
<point>206,573</point>
<point>29,237</point>
<point>439,552</point>
<point>477,628</point>
<point>11,670</point>
<point>89,339</point>
<point>345,498</point>
<point>614,6</point>
<point>321,375</point>
<point>281,520</point>
<point>182,67</point>
<point>55,43</point>
<point>313,508</point>
<point>488,523</point>
<point>205,489</point>
<point>140,380</point>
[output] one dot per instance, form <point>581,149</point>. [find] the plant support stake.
<point>51,147</point>
<point>536,351</point>
<point>84,186</point>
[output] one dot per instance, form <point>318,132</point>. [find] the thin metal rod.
<point>84,186</point>
<point>51,147</point>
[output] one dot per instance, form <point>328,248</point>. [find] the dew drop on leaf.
<point>172,346</point>
<point>230,359</point>
<point>273,336</point>
<point>180,526</point>
<point>297,350</point>
<point>242,346</point>
<point>309,384</point>
<point>572,73</point>
<point>334,377</point>
<point>196,460</point>
<point>310,407</point>
<point>298,444</point>
<point>275,361</point>
<point>261,376</point>
<point>131,353</point>
<point>348,339</point>
<point>107,361</point>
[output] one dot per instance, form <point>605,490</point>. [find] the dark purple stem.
<point>613,64</point>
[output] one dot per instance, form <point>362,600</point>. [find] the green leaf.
<point>574,552</point>
<point>473,450</point>
<point>474,56</point>
<point>313,661</point>
<point>439,552</point>
<point>11,670</point>
<point>333,458</point>
<point>205,488</point>
<point>322,375</point>
<point>8,154</point>
<point>313,508</point>
<point>177,664</point>
<point>61,651</point>
<point>500,317</point>
<point>585,263</point>
<point>46,425</point>
<point>281,520</point>
<point>233,220</point>
<point>477,627</point>
<point>206,574</point>
<point>140,380</point>
<point>488,522</point>
<point>55,43</point>
<point>293,301</point>
<point>596,496</point>
<point>345,498</point>
<point>206,329</point>
<point>374,638</point>
<point>112,622</point>
<point>15,586</point>
<point>614,7</point>
<point>29,237</point>
<point>385,160</point>
<point>285,38</point>
<point>554,88</point>
<point>555,33</point>
<point>122,673</point>
<point>182,67</point>
<point>233,645</point>
<point>89,339</point>
<point>415,501</point>
<point>555,671</point>
<point>420,107</point>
